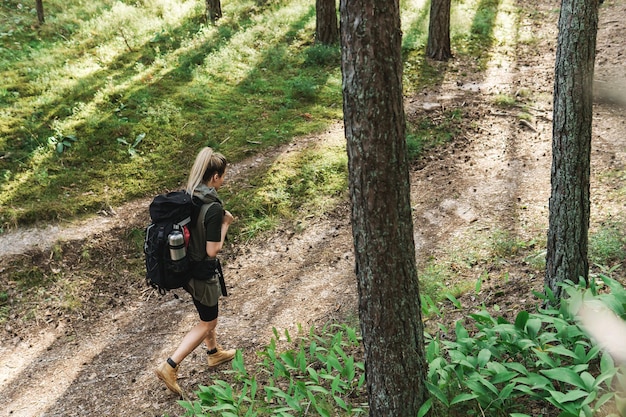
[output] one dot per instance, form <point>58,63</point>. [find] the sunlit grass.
<point>108,73</point>
<point>297,186</point>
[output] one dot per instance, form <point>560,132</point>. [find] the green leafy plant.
<point>132,147</point>
<point>319,373</point>
<point>61,142</point>
<point>543,356</point>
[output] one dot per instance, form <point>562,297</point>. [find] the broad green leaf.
<point>590,398</point>
<point>564,375</point>
<point>340,402</point>
<point>606,363</point>
<point>534,381</point>
<point>453,300</point>
<point>532,327</point>
<point>521,320</point>
<point>604,399</point>
<point>317,388</point>
<point>545,358</point>
<point>463,397</point>
<point>588,380</point>
<point>483,357</point>
<point>561,350</point>
<point>322,411</point>
<point>434,390</point>
<point>503,377</point>
<point>425,408</point>
<point>460,331</point>
<point>517,367</point>
<point>574,395</point>
<point>505,393</point>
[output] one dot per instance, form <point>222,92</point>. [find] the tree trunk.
<point>326,29</point>
<point>382,227</point>
<point>40,16</point>
<point>213,10</point>
<point>438,46</point>
<point>566,257</point>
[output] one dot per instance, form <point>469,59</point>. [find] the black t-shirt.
<point>213,223</point>
<point>212,232</point>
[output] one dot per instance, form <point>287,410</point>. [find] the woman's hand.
<point>228,218</point>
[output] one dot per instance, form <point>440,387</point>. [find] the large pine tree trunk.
<point>567,244</point>
<point>438,45</point>
<point>326,29</point>
<point>382,227</point>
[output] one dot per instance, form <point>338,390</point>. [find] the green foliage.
<point>489,366</point>
<point>295,187</point>
<point>497,366</point>
<point>148,80</point>
<point>607,244</point>
<point>319,374</point>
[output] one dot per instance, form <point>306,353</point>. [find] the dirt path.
<point>494,177</point>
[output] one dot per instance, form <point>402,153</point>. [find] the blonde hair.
<point>207,164</point>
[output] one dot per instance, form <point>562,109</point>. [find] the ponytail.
<point>207,164</point>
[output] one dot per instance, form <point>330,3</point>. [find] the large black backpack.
<point>171,212</point>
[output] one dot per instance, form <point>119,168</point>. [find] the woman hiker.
<point>205,178</point>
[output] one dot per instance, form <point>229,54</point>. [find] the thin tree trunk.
<point>382,227</point>
<point>40,15</point>
<point>567,243</point>
<point>438,45</point>
<point>213,10</point>
<point>326,28</point>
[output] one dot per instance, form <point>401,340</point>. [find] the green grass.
<point>110,101</point>
<point>153,70</point>
<point>607,244</point>
<point>298,186</point>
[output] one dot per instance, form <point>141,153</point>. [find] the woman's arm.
<point>213,248</point>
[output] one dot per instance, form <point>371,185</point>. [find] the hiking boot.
<point>168,375</point>
<point>221,356</point>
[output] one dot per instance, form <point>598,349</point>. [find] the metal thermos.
<point>177,245</point>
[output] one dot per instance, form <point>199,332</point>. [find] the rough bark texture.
<point>39,7</point>
<point>571,144</point>
<point>438,46</point>
<point>382,227</point>
<point>213,10</point>
<point>326,28</point>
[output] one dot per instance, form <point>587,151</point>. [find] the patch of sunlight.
<point>15,361</point>
<point>461,16</point>
<point>247,46</point>
<point>9,189</point>
<point>54,376</point>
<point>505,37</point>
<point>110,32</point>
<point>412,10</point>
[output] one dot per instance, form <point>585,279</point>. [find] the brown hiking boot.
<point>221,356</point>
<point>168,375</point>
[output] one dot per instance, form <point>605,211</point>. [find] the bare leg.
<point>201,331</point>
<point>211,341</point>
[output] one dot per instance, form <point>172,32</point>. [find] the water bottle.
<point>177,245</point>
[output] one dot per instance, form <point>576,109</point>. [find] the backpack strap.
<point>200,226</point>
<point>200,221</point>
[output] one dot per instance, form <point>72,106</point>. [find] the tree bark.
<point>40,15</point>
<point>438,45</point>
<point>567,243</point>
<point>213,10</point>
<point>382,227</point>
<point>326,28</point>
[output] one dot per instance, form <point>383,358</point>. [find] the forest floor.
<point>97,357</point>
